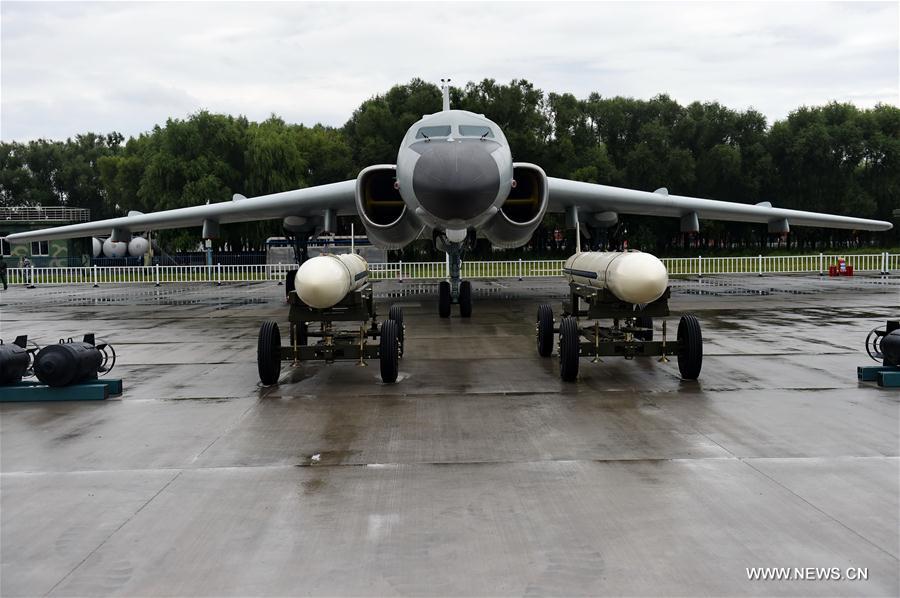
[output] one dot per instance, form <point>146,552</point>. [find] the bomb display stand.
<point>883,345</point>
<point>314,335</point>
<point>631,334</point>
<point>89,390</point>
<point>66,371</point>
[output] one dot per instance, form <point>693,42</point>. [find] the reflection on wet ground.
<point>480,472</point>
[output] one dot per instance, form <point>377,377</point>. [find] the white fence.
<point>884,263</point>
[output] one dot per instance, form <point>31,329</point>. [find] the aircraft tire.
<point>465,299</point>
<point>569,346</point>
<point>268,353</point>
<point>644,322</point>
<point>444,299</point>
<point>396,314</point>
<point>545,330</point>
<point>389,351</point>
<point>690,347</point>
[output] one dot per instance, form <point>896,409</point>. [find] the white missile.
<point>111,249</point>
<point>138,246</point>
<point>632,276</point>
<point>321,282</point>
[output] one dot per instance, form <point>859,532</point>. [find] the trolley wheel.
<point>289,279</point>
<point>396,314</point>
<point>644,322</point>
<point>268,353</point>
<point>444,299</point>
<point>545,330</point>
<point>690,347</point>
<point>389,351</point>
<point>569,349</point>
<point>465,299</point>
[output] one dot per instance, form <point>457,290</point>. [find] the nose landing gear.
<point>455,290</point>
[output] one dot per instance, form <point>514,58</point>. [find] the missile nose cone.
<point>322,282</point>
<point>638,278</point>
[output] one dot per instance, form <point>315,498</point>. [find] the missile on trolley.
<point>323,281</point>
<point>632,276</point>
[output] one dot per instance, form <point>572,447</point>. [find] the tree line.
<point>835,158</point>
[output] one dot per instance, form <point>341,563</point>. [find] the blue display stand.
<point>89,390</point>
<point>887,376</point>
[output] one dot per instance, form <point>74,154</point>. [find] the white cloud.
<point>76,67</point>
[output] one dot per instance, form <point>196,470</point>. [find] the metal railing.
<point>780,264</point>
<point>52,214</point>
<point>883,263</point>
<point>97,275</point>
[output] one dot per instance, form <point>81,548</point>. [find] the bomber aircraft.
<point>455,178</point>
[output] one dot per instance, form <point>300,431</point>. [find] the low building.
<point>62,252</point>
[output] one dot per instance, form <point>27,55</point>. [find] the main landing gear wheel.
<point>389,351</point>
<point>444,299</point>
<point>690,352</point>
<point>545,330</point>
<point>268,353</point>
<point>569,349</point>
<point>465,299</point>
<point>395,314</point>
<point>644,322</point>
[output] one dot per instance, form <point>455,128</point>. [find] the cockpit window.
<point>436,131</point>
<point>475,131</point>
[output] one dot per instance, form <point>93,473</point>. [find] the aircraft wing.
<point>300,202</point>
<point>590,197</point>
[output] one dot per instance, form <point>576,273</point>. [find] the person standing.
<point>3,273</point>
<point>28,273</point>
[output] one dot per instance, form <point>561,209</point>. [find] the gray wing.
<point>300,202</point>
<point>590,197</point>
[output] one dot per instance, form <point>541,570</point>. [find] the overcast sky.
<point>76,67</point>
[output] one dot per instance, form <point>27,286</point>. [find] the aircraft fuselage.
<point>454,170</point>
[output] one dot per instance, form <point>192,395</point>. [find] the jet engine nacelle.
<point>389,223</point>
<point>523,210</point>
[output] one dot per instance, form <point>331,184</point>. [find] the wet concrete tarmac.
<point>480,472</point>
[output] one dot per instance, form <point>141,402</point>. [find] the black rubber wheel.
<point>644,322</point>
<point>268,353</point>
<point>569,348</point>
<point>389,351</point>
<point>395,314</point>
<point>545,330</point>
<point>465,299</point>
<point>289,279</point>
<point>444,299</point>
<point>690,347</point>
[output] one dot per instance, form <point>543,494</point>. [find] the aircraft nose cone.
<point>456,180</point>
